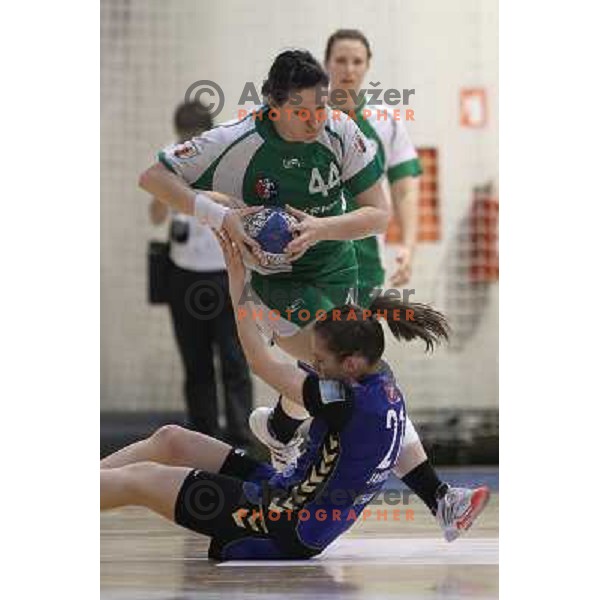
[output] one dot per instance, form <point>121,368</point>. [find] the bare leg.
<point>411,456</point>
<point>142,484</point>
<point>175,446</point>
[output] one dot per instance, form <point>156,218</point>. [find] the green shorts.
<point>297,303</point>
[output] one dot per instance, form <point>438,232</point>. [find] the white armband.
<point>208,211</point>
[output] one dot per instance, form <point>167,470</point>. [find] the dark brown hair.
<point>192,118</point>
<point>293,71</point>
<point>349,330</point>
<point>347,34</point>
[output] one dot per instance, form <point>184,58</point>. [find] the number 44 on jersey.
<point>317,184</point>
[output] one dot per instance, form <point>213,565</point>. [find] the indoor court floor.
<point>144,557</point>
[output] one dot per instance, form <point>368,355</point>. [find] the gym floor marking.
<point>424,551</point>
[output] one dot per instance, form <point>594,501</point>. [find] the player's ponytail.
<point>409,321</point>
<point>350,329</point>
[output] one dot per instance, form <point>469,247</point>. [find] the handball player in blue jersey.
<point>252,511</point>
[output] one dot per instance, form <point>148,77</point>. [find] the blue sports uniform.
<point>354,441</point>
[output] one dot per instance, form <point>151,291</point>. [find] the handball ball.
<point>272,228</point>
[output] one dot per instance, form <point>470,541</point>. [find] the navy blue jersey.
<point>354,441</point>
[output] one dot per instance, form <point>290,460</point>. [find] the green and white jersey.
<point>247,159</point>
<point>390,139</point>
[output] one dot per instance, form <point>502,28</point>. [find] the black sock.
<point>281,425</point>
<point>237,464</point>
<point>424,482</point>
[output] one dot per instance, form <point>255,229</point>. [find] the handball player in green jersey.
<point>293,152</point>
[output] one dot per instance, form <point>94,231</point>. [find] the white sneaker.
<point>459,508</point>
<point>282,455</point>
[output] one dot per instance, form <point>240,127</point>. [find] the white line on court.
<point>397,551</point>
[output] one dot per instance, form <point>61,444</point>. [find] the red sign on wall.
<point>429,212</point>
<point>473,107</point>
<point>483,219</point>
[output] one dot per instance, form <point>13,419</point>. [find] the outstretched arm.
<point>286,378</point>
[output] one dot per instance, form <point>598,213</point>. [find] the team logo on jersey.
<point>295,306</point>
<point>266,188</point>
<point>391,391</point>
<point>290,163</point>
<point>185,150</point>
<point>359,143</point>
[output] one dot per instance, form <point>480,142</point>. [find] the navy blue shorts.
<point>230,507</point>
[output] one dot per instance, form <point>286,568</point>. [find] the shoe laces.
<point>287,454</point>
<point>452,505</point>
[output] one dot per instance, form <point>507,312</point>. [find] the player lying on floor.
<point>248,509</point>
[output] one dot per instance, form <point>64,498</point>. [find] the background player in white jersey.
<point>195,263</point>
<point>347,60</point>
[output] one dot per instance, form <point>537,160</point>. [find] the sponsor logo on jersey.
<point>296,305</point>
<point>290,163</point>
<point>359,143</point>
<point>185,150</point>
<point>266,188</point>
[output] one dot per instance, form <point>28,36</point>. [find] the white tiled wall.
<point>152,50</point>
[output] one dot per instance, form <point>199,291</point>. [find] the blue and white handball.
<point>273,229</point>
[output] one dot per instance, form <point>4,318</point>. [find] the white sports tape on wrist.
<point>208,211</point>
